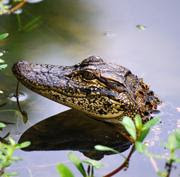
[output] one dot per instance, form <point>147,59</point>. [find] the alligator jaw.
<point>40,77</point>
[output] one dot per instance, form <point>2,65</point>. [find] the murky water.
<point>64,33</point>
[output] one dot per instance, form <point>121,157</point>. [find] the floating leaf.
<point>129,126</point>
<point>3,36</point>
<point>3,66</point>
<point>105,148</point>
<point>64,171</point>
<point>141,27</point>
<point>77,162</point>
<point>94,163</point>
<point>138,122</point>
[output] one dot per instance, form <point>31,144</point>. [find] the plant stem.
<point>18,6</point>
<point>1,171</point>
<point>123,165</point>
<point>19,22</point>
<point>168,167</point>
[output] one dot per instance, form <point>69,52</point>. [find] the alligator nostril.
<point>155,111</point>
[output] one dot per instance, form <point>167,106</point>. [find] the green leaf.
<point>177,160</point>
<point>105,148</point>
<point>140,147</point>
<point>94,163</point>
<point>146,128</point>
<point>171,142</point>
<point>162,174</point>
<point>3,66</point>
<point>129,126</point>
<point>174,141</point>
<point>23,145</point>
<point>138,122</point>
<point>3,36</point>
<point>177,135</point>
<point>77,162</point>
<point>64,171</point>
<point>2,125</point>
<point>9,174</point>
<point>143,134</point>
<point>12,142</point>
<point>151,123</point>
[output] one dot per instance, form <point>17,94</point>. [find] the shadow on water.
<point>73,130</point>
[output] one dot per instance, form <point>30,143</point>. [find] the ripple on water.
<point>22,96</point>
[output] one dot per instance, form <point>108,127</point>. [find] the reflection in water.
<point>73,130</point>
<point>49,29</point>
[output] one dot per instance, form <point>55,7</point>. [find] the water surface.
<point>65,33</point>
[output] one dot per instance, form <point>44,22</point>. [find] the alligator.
<point>104,91</point>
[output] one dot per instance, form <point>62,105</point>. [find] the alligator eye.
<point>88,75</point>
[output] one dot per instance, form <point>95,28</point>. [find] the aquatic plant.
<point>7,144</point>
<point>7,148</point>
<point>137,132</point>
<point>3,65</point>
<point>14,6</point>
<point>64,171</point>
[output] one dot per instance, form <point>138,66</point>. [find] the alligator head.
<point>99,89</point>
